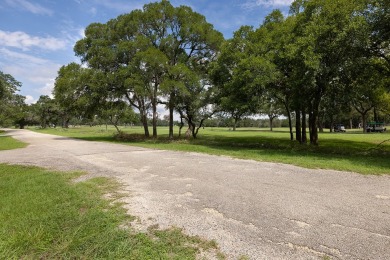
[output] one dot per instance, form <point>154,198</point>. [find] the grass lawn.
<point>8,143</point>
<point>44,215</point>
<point>351,151</point>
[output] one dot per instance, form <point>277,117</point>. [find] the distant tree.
<point>19,111</point>
<point>272,108</point>
<point>76,91</point>
<point>8,86</point>
<point>196,105</point>
<point>12,104</point>
<point>48,112</point>
<point>369,93</point>
<point>234,99</point>
<point>241,75</point>
<point>116,112</point>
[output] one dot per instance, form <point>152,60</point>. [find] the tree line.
<point>323,60</point>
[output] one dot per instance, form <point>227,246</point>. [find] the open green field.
<point>44,215</point>
<point>351,151</point>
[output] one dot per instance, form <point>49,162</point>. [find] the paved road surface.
<point>260,210</point>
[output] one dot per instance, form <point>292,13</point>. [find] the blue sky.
<point>37,36</point>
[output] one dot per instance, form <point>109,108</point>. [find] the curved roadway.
<point>254,209</point>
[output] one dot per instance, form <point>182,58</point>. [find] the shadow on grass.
<point>364,157</point>
<point>336,150</point>
<point>90,138</point>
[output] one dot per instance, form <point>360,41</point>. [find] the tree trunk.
<point>195,133</point>
<point>235,120</point>
<point>304,127</point>
<point>146,128</point>
<point>139,103</point>
<point>154,108</point>
<point>289,121</point>
<point>154,105</point>
<point>191,126</point>
<point>117,128</point>
<point>181,126</point>
<point>331,124</point>
<point>171,107</point>
<point>364,119</point>
<point>376,119</point>
<point>144,120</point>
<point>313,121</point>
<point>271,119</point>
<point>314,114</point>
<point>321,124</point>
<point>67,122</point>
<point>298,133</point>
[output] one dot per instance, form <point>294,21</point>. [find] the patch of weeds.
<point>221,256</point>
<point>125,137</point>
<point>175,239</point>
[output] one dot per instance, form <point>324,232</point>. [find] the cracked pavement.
<point>254,209</point>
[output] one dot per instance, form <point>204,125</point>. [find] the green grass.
<point>8,143</point>
<point>44,215</point>
<point>351,151</point>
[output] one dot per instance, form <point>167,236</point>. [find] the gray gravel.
<point>254,209</point>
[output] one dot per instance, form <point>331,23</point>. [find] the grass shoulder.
<point>352,151</point>
<point>8,143</point>
<point>45,215</point>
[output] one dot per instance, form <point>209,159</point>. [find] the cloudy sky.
<point>37,36</point>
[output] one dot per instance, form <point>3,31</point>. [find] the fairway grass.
<point>44,215</point>
<point>352,151</point>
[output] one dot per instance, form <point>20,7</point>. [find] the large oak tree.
<point>139,50</point>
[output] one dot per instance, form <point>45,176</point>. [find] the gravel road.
<point>254,209</point>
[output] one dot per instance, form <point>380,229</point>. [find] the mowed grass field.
<point>351,151</point>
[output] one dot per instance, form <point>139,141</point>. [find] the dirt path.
<point>259,210</point>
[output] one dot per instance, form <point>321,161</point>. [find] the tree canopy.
<point>148,54</point>
<point>323,61</point>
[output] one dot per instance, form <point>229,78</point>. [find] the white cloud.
<point>36,74</point>
<point>16,56</point>
<point>25,41</point>
<point>266,3</point>
<point>81,33</point>
<point>47,89</point>
<point>31,7</point>
<point>30,99</point>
